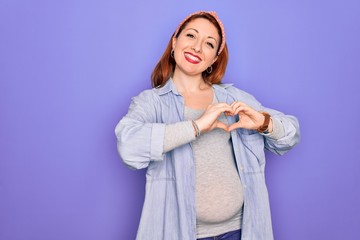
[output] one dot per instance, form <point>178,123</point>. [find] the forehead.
<point>203,26</point>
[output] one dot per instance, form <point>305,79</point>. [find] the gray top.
<point>219,192</point>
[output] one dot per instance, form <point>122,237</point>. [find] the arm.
<point>139,135</point>
<point>177,134</point>
<point>141,138</point>
<point>180,133</point>
<point>282,143</point>
<point>284,129</point>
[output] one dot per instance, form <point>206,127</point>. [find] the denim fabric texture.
<point>169,207</point>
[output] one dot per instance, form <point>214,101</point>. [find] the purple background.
<point>68,72</point>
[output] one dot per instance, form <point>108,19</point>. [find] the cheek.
<point>210,55</point>
<point>181,42</point>
<point>178,57</point>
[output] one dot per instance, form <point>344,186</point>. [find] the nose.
<point>197,47</point>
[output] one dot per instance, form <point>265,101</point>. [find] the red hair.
<point>164,69</point>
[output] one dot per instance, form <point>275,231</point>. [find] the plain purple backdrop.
<point>68,70</point>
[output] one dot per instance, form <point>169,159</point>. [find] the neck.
<point>186,83</point>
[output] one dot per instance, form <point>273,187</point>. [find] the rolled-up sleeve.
<point>286,133</point>
<point>278,130</point>
<point>139,136</point>
<point>290,133</point>
<point>157,141</point>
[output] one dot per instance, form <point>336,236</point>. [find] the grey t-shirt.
<point>219,192</point>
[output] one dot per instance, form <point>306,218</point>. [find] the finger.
<point>229,113</point>
<point>225,109</point>
<point>238,103</point>
<point>247,108</point>
<point>234,126</point>
<point>221,125</point>
<point>240,109</point>
<point>219,106</point>
<point>235,103</point>
<point>242,104</point>
<point>225,106</point>
<point>238,106</point>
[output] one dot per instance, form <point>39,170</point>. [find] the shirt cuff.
<point>157,139</point>
<point>278,130</point>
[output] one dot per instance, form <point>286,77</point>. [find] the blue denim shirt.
<point>169,207</point>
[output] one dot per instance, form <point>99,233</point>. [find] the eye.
<point>210,45</point>
<point>189,35</point>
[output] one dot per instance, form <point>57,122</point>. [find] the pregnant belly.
<point>218,198</point>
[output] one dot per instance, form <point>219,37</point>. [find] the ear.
<point>174,42</point>
<point>215,59</point>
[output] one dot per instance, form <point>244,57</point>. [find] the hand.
<point>248,117</point>
<point>208,121</point>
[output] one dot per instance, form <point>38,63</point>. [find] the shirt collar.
<point>170,87</point>
<point>221,87</point>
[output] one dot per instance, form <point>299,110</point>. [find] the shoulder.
<point>158,95</point>
<point>231,89</point>
<point>147,95</point>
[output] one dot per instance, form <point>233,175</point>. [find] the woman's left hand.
<point>248,117</point>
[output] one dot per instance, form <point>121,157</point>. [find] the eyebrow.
<point>198,32</point>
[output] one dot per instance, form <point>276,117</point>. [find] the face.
<point>196,47</point>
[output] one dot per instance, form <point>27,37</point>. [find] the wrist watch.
<point>264,127</point>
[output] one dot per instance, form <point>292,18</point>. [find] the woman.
<point>202,143</point>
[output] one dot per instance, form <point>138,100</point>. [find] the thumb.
<point>221,125</point>
<point>234,126</point>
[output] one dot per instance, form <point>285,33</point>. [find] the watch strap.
<point>265,125</point>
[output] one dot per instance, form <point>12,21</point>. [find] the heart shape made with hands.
<point>248,117</point>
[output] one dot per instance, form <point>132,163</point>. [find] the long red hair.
<point>165,67</point>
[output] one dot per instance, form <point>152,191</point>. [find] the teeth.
<point>192,57</point>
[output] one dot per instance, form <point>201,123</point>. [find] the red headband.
<point>214,15</point>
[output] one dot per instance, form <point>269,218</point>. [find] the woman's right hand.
<point>209,120</point>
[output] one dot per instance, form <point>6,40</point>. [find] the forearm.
<point>276,129</point>
<point>286,135</point>
<point>178,134</point>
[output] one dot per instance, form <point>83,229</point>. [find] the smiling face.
<point>196,47</point>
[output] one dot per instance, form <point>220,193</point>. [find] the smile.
<point>192,58</point>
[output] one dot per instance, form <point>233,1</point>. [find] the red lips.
<point>192,58</point>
